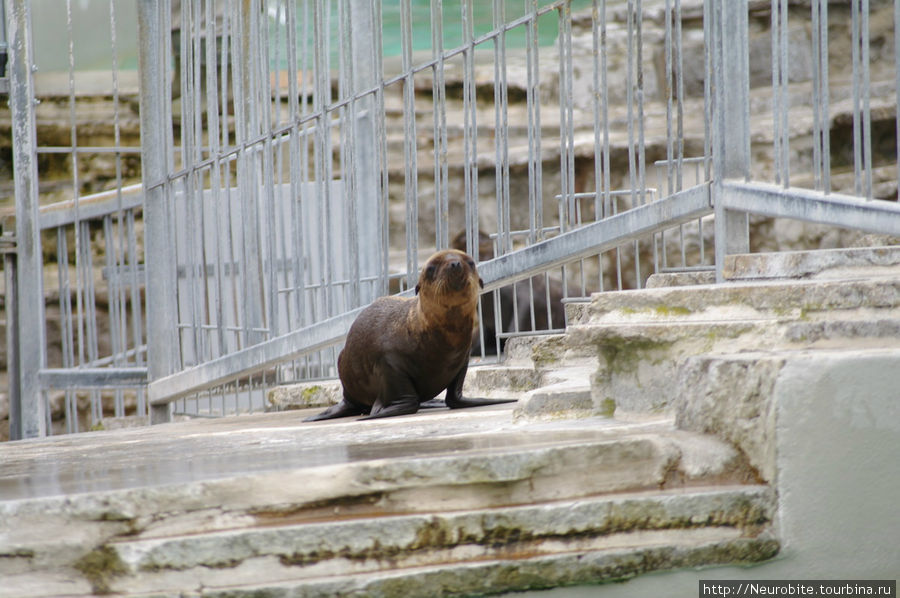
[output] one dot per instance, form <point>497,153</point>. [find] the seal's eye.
<point>429,271</point>
<point>471,263</point>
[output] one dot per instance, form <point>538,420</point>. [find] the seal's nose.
<point>456,264</point>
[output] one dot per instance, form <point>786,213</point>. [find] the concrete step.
<point>859,262</point>
<point>636,341</point>
<point>852,263</point>
<point>127,511</point>
<point>433,554</point>
<point>515,572</point>
<point>636,362</point>
<point>777,299</point>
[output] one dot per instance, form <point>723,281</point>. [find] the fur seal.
<point>401,352</point>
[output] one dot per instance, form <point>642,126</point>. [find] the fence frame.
<point>730,194</point>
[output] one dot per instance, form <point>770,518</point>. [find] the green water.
<point>548,24</point>
<point>91,27</point>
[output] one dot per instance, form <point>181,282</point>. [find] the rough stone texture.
<point>730,397</point>
<point>636,342</point>
<point>837,429</point>
<point>304,395</point>
<point>501,382</point>
<point>770,298</point>
<point>409,538</point>
<point>567,393</point>
<point>680,279</point>
<point>860,262</point>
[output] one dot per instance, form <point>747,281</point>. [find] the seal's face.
<point>450,277</point>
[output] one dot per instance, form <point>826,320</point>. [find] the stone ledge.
<point>525,571</point>
<point>412,540</point>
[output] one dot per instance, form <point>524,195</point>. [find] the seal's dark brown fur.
<point>402,352</point>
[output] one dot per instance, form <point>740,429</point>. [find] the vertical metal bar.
<point>409,146</point>
<point>821,124</point>
<point>708,96</point>
<point>117,287</point>
<point>215,183</point>
<point>731,127</point>
<point>867,113</point>
<point>85,265</point>
<point>80,274</point>
<point>470,124</point>
<point>604,106</point>
<point>137,319</point>
<point>160,276</point>
<point>29,283</point>
<point>533,104</point>
<point>566,117</point>
<point>13,345</point>
<point>294,139</point>
<point>501,128</point>
<point>113,294</point>
<point>269,104</point>
<point>639,16</point>
<point>366,60</point>
<point>780,82</point>
<point>595,72</point>
<point>383,218</point>
<point>670,141</point>
<point>679,99</point>
<point>65,327</point>
<point>642,167</point>
<point>817,94</point>
<point>441,167</point>
<point>897,86</point>
<point>775,27</point>
<point>629,101</point>
<point>351,126</point>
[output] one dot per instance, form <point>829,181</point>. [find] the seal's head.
<point>450,278</point>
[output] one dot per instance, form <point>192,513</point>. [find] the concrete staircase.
<point>630,351</point>
<point>652,436</point>
<point>435,504</point>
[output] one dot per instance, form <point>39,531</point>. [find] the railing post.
<point>157,245</point>
<point>33,414</point>
<point>731,118</point>
<point>364,147</point>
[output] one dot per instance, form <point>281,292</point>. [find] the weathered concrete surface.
<point>860,262</point>
<point>356,546</point>
<point>440,499</point>
<point>304,395</point>
<point>640,342</point>
<point>835,431</point>
<point>730,396</point>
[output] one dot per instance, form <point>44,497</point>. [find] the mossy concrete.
<point>304,395</point>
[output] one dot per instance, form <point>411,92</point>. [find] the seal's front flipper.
<point>455,400</point>
<point>343,409</point>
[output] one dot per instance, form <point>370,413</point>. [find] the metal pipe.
<point>33,412</point>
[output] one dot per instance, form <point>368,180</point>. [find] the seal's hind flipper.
<point>403,405</point>
<point>462,402</point>
<point>343,409</point>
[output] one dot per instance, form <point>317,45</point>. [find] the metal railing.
<point>292,171</point>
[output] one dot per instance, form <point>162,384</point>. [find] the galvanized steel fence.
<point>294,168</point>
